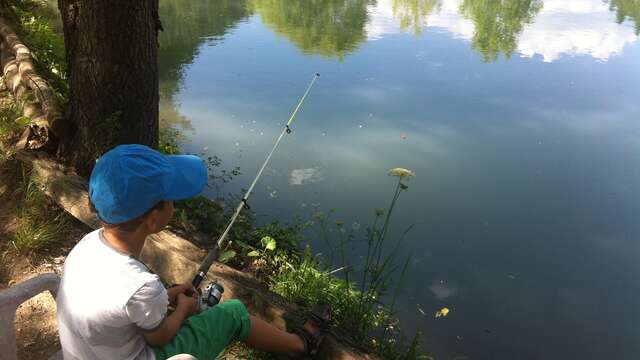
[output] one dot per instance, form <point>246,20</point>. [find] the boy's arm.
<point>163,334</point>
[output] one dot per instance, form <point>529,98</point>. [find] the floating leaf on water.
<point>442,312</point>
<point>226,256</point>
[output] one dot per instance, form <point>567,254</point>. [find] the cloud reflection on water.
<point>561,28</point>
<point>303,176</point>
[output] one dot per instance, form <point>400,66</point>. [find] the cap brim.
<point>190,177</point>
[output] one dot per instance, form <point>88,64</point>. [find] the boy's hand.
<point>162,335</point>
<point>173,292</point>
<point>188,304</point>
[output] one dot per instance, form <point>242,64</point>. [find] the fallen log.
<point>18,70</point>
<point>174,258</point>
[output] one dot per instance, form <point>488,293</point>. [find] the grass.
<point>39,222</point>
<point>11,121</point>
<point>305,284</point>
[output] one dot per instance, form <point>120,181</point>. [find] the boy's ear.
<point>151,220</point>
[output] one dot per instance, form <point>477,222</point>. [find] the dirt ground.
<point>36,325</point>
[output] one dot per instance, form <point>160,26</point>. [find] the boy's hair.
<point>131,225</point>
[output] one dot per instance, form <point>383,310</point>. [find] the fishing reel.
<point>211,295</point>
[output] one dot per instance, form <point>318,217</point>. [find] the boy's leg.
<point>266,337</point>
<point>207,334</point>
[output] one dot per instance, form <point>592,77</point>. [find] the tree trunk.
<point>112,53</point>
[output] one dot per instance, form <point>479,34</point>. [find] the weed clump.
<point>39,223</point>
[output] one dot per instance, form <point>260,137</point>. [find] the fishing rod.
<point>213,253</point>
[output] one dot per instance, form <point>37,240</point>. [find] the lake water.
<point>519,118</point>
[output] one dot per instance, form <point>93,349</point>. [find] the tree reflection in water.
<point>331,28</point>
<point>498,24</point>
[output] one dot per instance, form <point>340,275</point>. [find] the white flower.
<point>401,172</point>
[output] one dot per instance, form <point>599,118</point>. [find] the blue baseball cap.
<point>129,180</point>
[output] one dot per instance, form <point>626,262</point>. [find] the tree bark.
<point>112,53</point>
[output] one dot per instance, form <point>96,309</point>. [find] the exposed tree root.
<point>34,93</point>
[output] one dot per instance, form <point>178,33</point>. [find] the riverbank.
<point>270,253</point>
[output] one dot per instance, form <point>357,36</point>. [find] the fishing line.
<point>212,255</point>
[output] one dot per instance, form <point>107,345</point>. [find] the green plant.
<point>305,284</point>
<point>217,178</point>
<point>370,321</point>
<point>33,234</point>
<point>288,237</point>
<point>47,48</point>
<point>39,222</point>
<point>378,269</point>
<point>199,214</point>
<point>170,140</point>
<point>11,121</point>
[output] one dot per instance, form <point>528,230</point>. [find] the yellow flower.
<point>442,312</point>
<point>401,172</point>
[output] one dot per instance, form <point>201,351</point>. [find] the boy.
<point>112,306</point>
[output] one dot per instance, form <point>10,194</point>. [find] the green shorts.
<point>205,335</point>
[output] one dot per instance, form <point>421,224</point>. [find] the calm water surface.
<point>519,118</point>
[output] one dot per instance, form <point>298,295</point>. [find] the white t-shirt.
<point>105,299</point>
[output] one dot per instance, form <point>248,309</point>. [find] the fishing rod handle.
<point>204,267</point>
